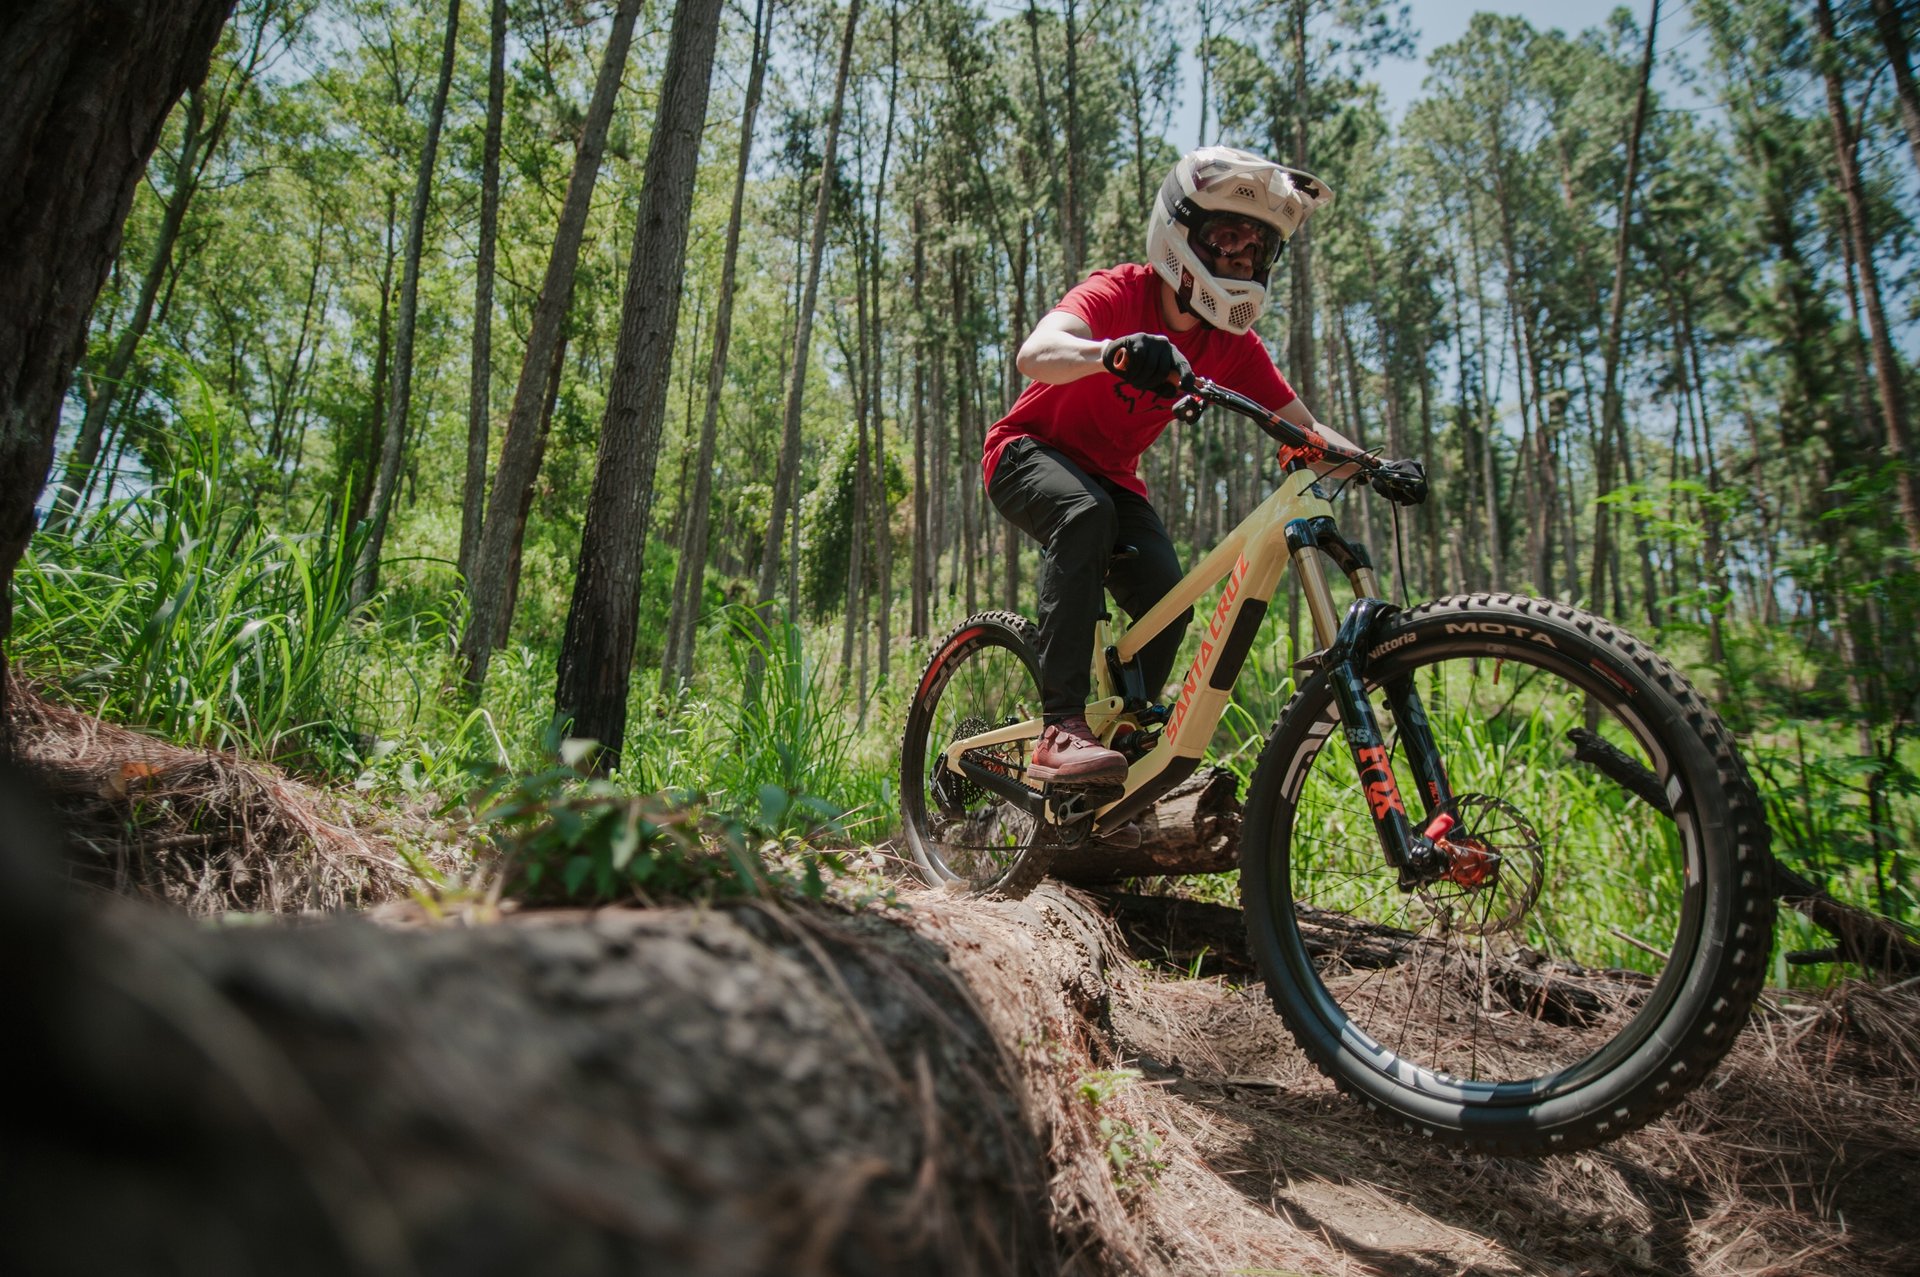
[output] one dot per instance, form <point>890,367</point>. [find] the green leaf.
<point>576,873</point>
<point>568,826</point>
<point>626,837</point>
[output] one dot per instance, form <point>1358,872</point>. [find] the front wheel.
<point>1598,945</point>
<point>985,675</point>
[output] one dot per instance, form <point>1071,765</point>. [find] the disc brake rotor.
<point>1497,867</point>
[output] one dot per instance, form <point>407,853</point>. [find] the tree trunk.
<point>479,388</point>
<point>787,475</point>
<point>596,654</point>
<point>1300,318</point>
<point>209,111</point>
<point>854,629</point>
<point>1612,414</point>
<point>574,1094</point>
<point>921,584</point>
<point>194,145</point>
<point>1535,431</point>
<point>366,575</point>
<point>288,393</point>
<point>1886,365</point>
<point>693,563</point>
<point>1893,38</point>
<point>1194,828</point>
<point>1044,116</point>
<point>84,91</point>
<point>359,466</point>
<point>1483,420</point>
<point>550,399</point>
<point>1075,238</point>
<point>493,577</point>
<point>882,504</point>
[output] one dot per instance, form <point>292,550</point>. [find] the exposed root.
<point>205,831</point>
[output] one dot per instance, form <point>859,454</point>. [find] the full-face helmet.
<point>1219,224</point>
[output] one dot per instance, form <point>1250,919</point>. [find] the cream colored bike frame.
<point>1250,559</point>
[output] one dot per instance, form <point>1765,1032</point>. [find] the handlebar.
<point>1401,482</point>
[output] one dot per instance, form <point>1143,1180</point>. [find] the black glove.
<point>1147,361</point>
<point>1401,482</point>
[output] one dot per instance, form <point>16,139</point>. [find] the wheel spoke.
<point>983,678</point>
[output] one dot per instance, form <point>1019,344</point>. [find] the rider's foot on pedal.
<point>1070,754</point>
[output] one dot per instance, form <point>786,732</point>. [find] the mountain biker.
<point>1062,464</point>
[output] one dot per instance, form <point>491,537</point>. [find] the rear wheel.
<point>984,675</point>
<point>1604,831</point>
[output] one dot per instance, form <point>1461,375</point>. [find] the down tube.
<point>1235,621</point>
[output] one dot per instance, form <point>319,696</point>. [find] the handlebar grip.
<point>1401,482</point>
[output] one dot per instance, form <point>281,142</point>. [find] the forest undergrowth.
<point>283,752</point>
<point>184,613</point>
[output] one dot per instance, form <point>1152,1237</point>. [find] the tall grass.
<point>769,734</point>
<point>179,608</point>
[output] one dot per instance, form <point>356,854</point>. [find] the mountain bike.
<point>1526,912</point>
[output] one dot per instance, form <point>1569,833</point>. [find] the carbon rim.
<point>1459,993</point>
<point>958,830</point>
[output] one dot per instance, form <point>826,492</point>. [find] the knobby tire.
<point>1453,1009</point>
<point>984,672</point>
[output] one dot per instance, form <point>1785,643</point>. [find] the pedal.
<point>1096,793</point>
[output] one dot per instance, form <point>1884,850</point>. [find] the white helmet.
<point>1219,187</point>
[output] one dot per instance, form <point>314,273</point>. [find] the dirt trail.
<point>1800,1156</point>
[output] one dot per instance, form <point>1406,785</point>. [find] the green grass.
<point>181,610</point>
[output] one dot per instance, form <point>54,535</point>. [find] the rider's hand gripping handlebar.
<point>1147,361</point>
<point>1401,482</point>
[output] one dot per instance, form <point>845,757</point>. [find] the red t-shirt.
<point>1102,423</point>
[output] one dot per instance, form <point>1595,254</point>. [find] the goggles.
<point>1224,235</point>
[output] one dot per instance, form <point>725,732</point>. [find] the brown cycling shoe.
<point>1070,754</point>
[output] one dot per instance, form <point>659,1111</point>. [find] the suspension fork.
<point>1343,658</point>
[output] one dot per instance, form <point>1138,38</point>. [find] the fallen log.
<point>1865,939</point>
<point>1193,829</point>
<point>749,1089</point>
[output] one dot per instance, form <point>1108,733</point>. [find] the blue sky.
<point>1440,22</point>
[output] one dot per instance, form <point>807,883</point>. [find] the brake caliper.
<point>1470,863</point>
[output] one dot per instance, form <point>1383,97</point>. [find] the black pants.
<point>1078,518</point>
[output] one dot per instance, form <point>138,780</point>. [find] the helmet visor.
<point>1237,246</point>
